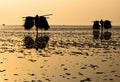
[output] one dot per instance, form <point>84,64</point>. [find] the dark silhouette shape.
<point>96,25</point>
<point>96,28</point>
<point>107,24</point>
<point>40,23</point>
<point>102,25</point>
<point>102,36</point>
<point>39,43</point>
<point>96,34</point>
<point>29,23</point>
<point>44,23</point>
<point>107,35</point>
<point>28,42</point>
<point>37,22</point>
<point>3,24</point>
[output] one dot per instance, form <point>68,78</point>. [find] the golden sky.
<point>65,12</point>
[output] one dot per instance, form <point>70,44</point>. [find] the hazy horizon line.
<point>58,25</point>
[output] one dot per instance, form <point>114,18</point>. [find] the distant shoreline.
<point>18,27</point>
<point>60,25</point>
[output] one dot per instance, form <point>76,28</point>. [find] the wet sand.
<point>70,56</point>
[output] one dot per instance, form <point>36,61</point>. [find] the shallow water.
<point>71,55</point>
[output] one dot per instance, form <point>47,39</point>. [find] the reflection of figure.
<point>107,35</point>
<point>39,43</point>
<point>96,34</point>
<point>102,25</point>
<point>28,42</point>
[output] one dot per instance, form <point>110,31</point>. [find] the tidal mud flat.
<point>70,56</point>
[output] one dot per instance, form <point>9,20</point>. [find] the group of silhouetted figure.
<point>39,22</point>
<point>99,27</point>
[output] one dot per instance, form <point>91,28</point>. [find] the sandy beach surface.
<point>70,56</point>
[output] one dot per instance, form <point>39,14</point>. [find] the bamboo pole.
<point>39,16</point>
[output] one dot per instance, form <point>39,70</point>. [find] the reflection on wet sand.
<point>96,34</point>
<point>105,35</point>
<point>28,42</point>
<point>70,56</point>
<point>39,42</point>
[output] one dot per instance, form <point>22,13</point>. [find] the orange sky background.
<point>65,12</point>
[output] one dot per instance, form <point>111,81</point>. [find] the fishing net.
<point>107,24</point>
<point>43,23</point>
<point>96,25</point>
<point>29,23</point>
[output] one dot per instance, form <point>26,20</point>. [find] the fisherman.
<point>102,25</point>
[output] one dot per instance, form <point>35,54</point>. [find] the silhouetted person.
<point>37,24</point>
<point>40,23</point>
<point>102,25</point>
